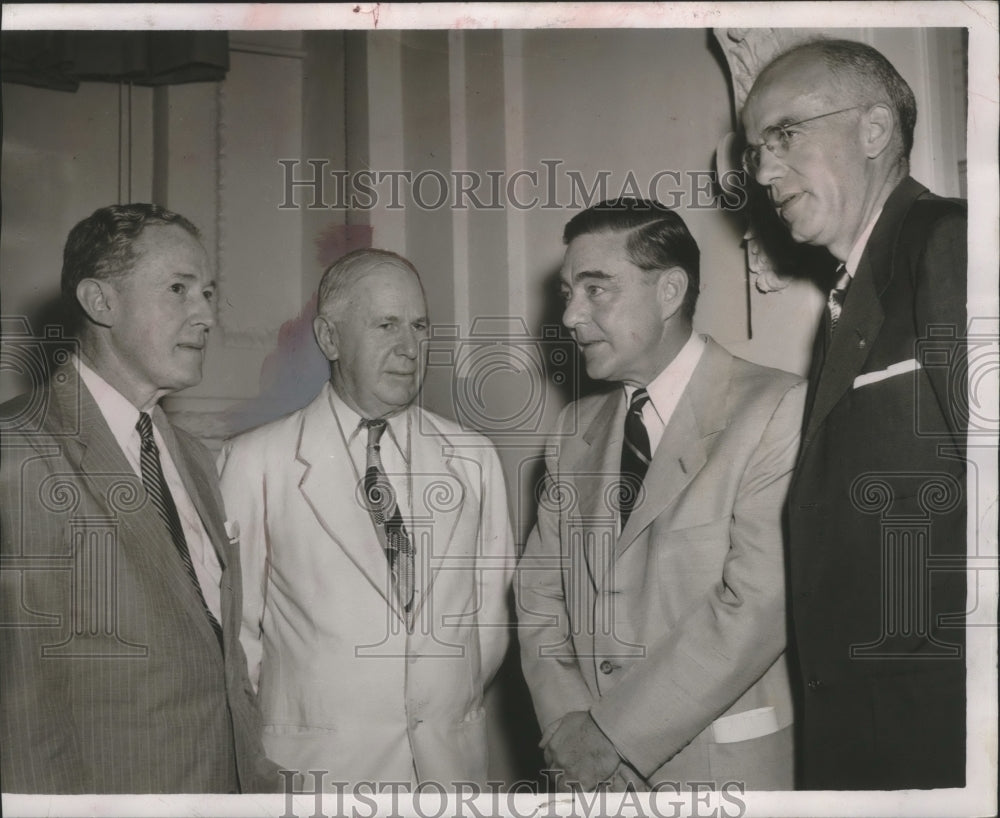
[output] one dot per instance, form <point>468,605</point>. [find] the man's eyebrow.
<point>592,275</point>
<point>192,277</point>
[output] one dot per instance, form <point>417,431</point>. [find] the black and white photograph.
<point>550,410</point>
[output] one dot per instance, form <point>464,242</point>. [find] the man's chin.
<point>398,400</point>
<point>185,381</point>
<point>597,370</point>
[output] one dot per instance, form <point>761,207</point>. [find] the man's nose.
<point>574,312</point>
<point>205,312</point>
<point>769,168</point>
<point>408,343</point>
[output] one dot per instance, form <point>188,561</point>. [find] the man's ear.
<point>671,289</point>
<point>325,331</point>
<point>96,298</point>
<point>879,124</point>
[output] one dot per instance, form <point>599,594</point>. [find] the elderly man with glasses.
<point>876,510</point>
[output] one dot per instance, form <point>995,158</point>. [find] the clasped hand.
<point>583,756</point>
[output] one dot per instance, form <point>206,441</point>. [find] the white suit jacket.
<point>343,687</point>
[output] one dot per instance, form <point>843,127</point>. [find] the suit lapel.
<point>862,316</point>
<point>681,453</point>
<point>116,488</point>
<point>849,347</point>
<point>196,483</point>
<point>438,499</point>
<point>596,475</point>
<point>330,485</point>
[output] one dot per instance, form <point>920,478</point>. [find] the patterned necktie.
<point>385,512</point>
<point>835,302</point>
<point>159,493</point>
<point>635,455</point>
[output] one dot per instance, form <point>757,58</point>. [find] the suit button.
<point>814,684</point>
<point>606,667</point>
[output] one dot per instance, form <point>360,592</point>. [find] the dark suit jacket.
<point>112,678</point>
<point>877,514</point>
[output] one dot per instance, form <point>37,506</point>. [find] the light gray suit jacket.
<point>671,634</point>
<point>112,677</point>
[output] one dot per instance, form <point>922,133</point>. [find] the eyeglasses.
<point>778,139</point>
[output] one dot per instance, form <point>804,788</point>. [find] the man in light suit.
<point>122,669</point>
<point>651,592</point>
<point>377,553</point>
<point>879,490</point>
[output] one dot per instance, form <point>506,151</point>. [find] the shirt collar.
<point>664,389</point>
<point>118,411</point>
<point>350,423</point>
<point>854,257</point>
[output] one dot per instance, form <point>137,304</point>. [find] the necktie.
<point>635,455</point>
<point>385,512</point>
<point>835,302</point>
<point>159,493</point>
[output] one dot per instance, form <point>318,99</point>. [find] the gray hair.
<point>341,276</point>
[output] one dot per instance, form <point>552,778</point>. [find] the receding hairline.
<point>771,74</point>
<point>340,281</point>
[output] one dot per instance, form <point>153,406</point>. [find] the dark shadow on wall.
<point>32,346</point>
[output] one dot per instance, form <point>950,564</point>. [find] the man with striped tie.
<point>377,555</point>
<point>877,506</point>
<point>122,669</point>
<point>651,593</point>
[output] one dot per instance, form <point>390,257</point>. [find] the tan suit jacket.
<point>112,677</point>
<point>679,621</point>
<point>343,686</point>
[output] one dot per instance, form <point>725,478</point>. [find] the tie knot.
<point>843,280</point>
<point>145,428</point>
<point>639,399</point>
<point>375,429</point>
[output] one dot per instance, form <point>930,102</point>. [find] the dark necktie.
<point>835,302</point>
<point>635,455</point>
<point>385,512</point>
<point>159,493</point>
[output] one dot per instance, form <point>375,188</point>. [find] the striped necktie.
<point>159,494</point>
<point>835,302</point>
<point>385,513</point>
<point>635,455</point>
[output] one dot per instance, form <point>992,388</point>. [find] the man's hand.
<point>582,753</point>
<point>625,778</point>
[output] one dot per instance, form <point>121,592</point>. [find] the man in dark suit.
<point>651,603</point>
<point>122,669</point>
<point>877,506</point>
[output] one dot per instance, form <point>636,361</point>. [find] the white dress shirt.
<point>394,451</point>
<point>121,417</point>
<point>665,389</point>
